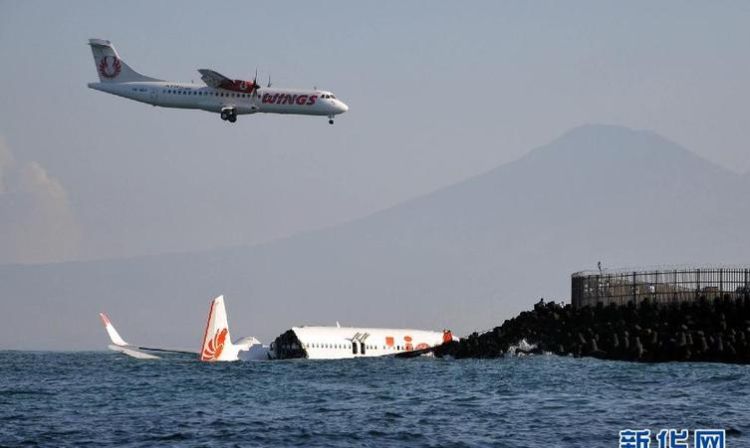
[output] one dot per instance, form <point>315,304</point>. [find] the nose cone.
<point>341,107</point>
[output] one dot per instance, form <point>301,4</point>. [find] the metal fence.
<point>659,286</point>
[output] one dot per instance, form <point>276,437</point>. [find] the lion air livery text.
<point>227,97</point>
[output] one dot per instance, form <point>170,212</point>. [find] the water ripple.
<point>105,399</point>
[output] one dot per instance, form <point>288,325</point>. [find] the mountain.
<point>465,257</point>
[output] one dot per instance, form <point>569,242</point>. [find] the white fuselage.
<point>347,342</point>
<point>192,96</point>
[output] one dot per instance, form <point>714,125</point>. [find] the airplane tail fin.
<point>114,336</point>
<point>109,65</point>
<point>217,342</point>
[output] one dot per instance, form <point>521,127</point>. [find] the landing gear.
<point>229,115</point>
<point>330,119</point>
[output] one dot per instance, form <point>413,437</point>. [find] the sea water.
<point>107,399</point>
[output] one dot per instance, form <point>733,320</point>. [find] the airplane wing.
<point>119,345</point>
<point>212,78</point>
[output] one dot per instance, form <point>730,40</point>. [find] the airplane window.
<point>333,96</point>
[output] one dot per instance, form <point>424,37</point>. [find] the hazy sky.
<point>437,92</point>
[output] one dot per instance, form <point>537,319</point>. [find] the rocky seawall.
<point>703,330</point>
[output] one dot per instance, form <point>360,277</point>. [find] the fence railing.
<point>659,286</point>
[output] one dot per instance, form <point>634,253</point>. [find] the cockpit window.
<point>333,96</point>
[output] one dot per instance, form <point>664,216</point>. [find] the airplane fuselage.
<point>193,96</point>
<point>345,342</point>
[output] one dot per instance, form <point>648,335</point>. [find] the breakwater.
<point>715,330</point>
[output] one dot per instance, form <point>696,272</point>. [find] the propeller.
<point>256,87</point>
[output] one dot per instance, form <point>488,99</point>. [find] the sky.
<point>437,93</point>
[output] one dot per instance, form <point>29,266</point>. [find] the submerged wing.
<point>119,345</point>
<point>212,78</point>
<point>132,352</point>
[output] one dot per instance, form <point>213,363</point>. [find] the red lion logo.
<point>214,347</point>
<point>110,69</point>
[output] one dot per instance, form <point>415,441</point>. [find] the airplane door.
<point>153,94</point>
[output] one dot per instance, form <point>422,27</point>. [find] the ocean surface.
<point>107,399</point>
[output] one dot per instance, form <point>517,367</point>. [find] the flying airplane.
<point>217,344</point>
<point>227,97</point>
<point>316,342</point>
